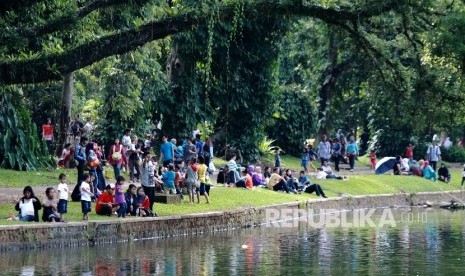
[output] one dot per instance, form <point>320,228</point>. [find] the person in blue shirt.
<point>277,159</point>
<point>198,145</point>
<point>168,180</point>
<point>166,152</point>
<point>306,186</point>
<point>80,157</point>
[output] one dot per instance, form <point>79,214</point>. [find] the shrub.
<point>453,154</point>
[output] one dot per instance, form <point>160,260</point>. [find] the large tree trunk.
<point>328,82</point>
<point>65,115</point>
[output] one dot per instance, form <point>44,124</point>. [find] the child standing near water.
<point>63,193</point>
<point>86,196</point>
<point>119,197</point>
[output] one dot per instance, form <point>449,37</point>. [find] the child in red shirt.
<point>409,152</point>
<point>372,159</point>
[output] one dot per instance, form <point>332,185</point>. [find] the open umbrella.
<point>385,164</point>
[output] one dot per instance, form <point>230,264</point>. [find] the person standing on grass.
<point>277,158</point>
<point>86,197</point>
<point>135,159</point>
<point>117,157</point>
<point>47,134</point>
<point>336,153</point>
<point>63,193</point>
<point>119,197</point>
<point>324,149</point>
<point>202,173</point>
<point>191,180</point>
<point>409,152</point>
<point>80,156</point>
<point>463,176</point>
<point>352,152</point>
<point>434,154</point>
<point>304,158</point>
<point>372,160</point>
<point>166,152</point>
<point>147,178</point>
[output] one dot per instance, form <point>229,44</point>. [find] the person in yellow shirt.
<point>277,182</point>
<point>202,172</point>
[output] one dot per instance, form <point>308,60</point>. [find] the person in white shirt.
<point>86,197</point>
<point>88,128</point>
<point>126,141</point>
<point>434,154</point>
<point>63,193</point>
<point>324,149</point>
<point>326,172</point>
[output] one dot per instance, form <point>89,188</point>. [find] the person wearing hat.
<point>105,203</point>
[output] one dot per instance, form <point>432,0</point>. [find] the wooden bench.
<point>167,199</point>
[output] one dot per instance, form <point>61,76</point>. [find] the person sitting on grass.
<point>443,173</point>
<point>257,177</point>
<point>105,205</point>
<point>143,204</point>
<point>130,197</point>
<point>28,206</point>
<point>277,182</point>
<point>328,172</point>
<point>306,186</point>
<point>245,181</point>
<point>323,175</point>
<point>428,171</point>
<point>291,182</point>
<point>50,213</point>
<point>168,180</point>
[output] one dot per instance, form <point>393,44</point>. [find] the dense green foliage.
<point>293,120</point>
<point>287,70</point>
<point>20,146</point>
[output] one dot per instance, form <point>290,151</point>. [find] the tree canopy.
<point>45,41</point>
<point>242,70</point>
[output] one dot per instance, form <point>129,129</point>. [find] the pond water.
<point>422,243</point>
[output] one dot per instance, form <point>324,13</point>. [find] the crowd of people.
<point>186,167</point>
<point>423,168</point>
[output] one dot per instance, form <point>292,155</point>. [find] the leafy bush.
<point>293,120</point>
<point>20,146</point>
<point>453,154</point>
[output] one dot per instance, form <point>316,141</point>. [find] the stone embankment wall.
<point>45,235</point>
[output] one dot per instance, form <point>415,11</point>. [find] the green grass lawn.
<point>223,198</point>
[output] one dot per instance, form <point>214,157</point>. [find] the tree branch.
<point>64,22</point>
<point>54,66</point>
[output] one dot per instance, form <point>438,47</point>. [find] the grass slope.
<point>231,198</point>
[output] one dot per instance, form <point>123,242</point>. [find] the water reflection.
<point>430,248</point>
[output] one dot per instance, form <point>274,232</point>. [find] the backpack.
<point>116,155</point>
